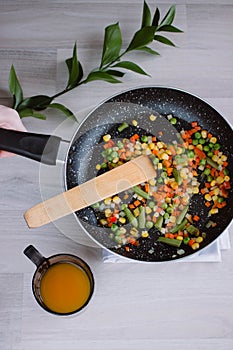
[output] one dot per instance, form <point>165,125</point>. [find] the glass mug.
<point>62,284</point>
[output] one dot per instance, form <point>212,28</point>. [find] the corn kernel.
<point>195,190</point>
<point>220,180</point>
<point>152,117</point>
<point>122,220</point>
<point>160,145</point>
<point>134,122</point>
<point>216,191</point>
<point>164,156</point>
<point>151,145</point>
<point>172,219</point>
<point>107,213</point>
<point>200,147</point>
<point>160,166</point>
<point>152,182</point>
<point>195,246</point>
<point>199,239</point>
<point>103,222</point>
<point>107,201</point>
<point>215,158</point>
<point>148,210</point>
<point>227,178</point>
<point>213,211</point>
<point>116,200</point>
<point>208,197</point>
<point>145,234</point>
<point>224,158</point>
<point>179,238</point>
<point>98,167</point>
<point>213,139</point>
<point>204,134</point>
<point>106,137</point>
<point>179,150</point>
<point>213,183</point>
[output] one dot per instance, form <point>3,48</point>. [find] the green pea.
<point>195,142</point>
<point>173,121</point>
<point>197,135</point>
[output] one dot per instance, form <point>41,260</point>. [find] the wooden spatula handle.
<point>115,181</point>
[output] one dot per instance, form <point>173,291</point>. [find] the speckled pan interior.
<point>86,145</point>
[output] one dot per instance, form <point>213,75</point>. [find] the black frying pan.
<point>85,147</point>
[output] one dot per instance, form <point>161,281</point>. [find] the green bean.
<point>179,227</point>
<point>182,215</point>
<point>212,163</point>
<point>132,219</point>
<point>142,217</point>
<point>177,176</point>
<point>192,230</point>
<point>140,192</point>
<point>122,127</point>
<point>171,241</point>
<point>159,222</point>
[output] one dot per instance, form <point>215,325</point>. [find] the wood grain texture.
<point>162,306</point>
<point>122,178</point>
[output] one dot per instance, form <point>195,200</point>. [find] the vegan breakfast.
<point>195,167</point>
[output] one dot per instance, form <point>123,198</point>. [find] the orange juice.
<point>65,288</point>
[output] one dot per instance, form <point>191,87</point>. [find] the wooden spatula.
<point>106,185</point>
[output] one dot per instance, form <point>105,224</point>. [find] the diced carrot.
<point>172,149</point>
<point>147,188</point>
<point>199,153</point>
<point>209,135</point>
<point>207,204</point>
<point>136,203</point>
<point>131,206</point>
<point>194,124</point>
<point>225,164</point>
<point>134,138</point>
<point>169,235</point>
<point>154,139</point>
<point>203,190</point>
<point>196,218</point>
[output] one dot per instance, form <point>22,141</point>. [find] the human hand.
<point>9,119</point>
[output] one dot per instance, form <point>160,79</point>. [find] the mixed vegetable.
<point>191,166</point>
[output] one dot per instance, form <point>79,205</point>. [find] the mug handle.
<point>34,255</point>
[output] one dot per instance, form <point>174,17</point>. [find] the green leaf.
<point>141,38</point>
<point>15,87</point>
<point>131,66</point>
<point>148,50</point>
<point>63,109</point>
<point>38,115</point>
<point>28,112</point>
<point>169,17</point>
<point>112,44</point>
<point>155,21</point>
<point>116,73</point>
<point>146,15</point>
<point>164,40</point>
<point>169,28</point>
<point>101,76</point>
<point>74,68</point>
<point>38,102</point>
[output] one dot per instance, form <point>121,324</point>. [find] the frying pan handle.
<point>39,147</point>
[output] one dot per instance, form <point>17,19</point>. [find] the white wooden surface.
<point>166,306</point>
